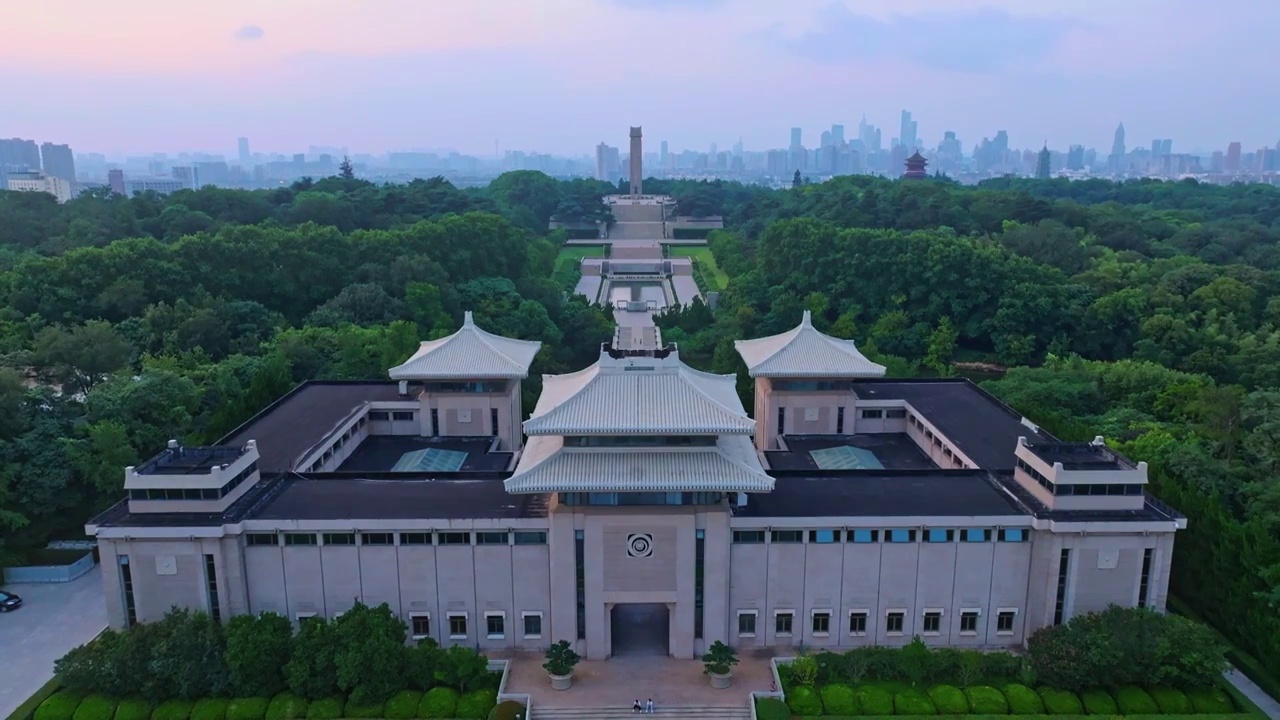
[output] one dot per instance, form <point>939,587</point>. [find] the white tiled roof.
<point>805,352</point>
<point>728,466</point>
<point>466,354</point>
<point>638,395</point>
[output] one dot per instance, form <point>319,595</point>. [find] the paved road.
<point>54,618</point>
<point>1250,690</point>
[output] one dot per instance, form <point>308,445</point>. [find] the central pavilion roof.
<point>470,353</point>
<point>805,352</point>
<point>650,394</point>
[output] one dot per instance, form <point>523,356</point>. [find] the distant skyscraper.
<point>1075,157</point>
<point>795,139</point>
<point>1116,159</point>
<point>837,135</point>
<point>1166,146</point>
<point>115,181</point>
<point>1155,148</point>
<point>907,133</point>
<point>58,161</point>
<point>606,162</point>
<point>1233,158</point>
<point>1042,163</point>
<point>245,157</point>
<point>662,156</point>
<point>18,155</point>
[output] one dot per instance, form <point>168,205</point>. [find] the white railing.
<point>777,693</point>
<point>504,666</point>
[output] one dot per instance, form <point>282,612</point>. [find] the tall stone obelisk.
<point>637,162</point>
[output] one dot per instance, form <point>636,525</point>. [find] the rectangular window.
<point>580,577</point>
<point>536,537</point>
<point>420,625</point>
<point>786,536</point>
<point>532,624</point>
<point>260,539</point>
<point>932,622</point>
<point>893,621</point>
<point>822,623</point>
<point>211,587</point>
<point>1012,535</point>
<point>457,626</point>
<point>1144,582</point>
<point>872,414</point>
<point>402,415</point>
<point>782,421</point>
<point>782,622</point>
<point>305,616</point>
<point>937,535</point>
<point>824,537</point>
<point>1060,604</point>
<point>495,625</point>
<point>493,421</point>
<point>377,539</point>
<point>1004,621</point>
<point>864,536</point>
<point>339,538</point>
<point>435,422</point>
<point>299,538</point>
<point>977,535</point>
<point>415,538</point>
<point>895,413</point>
<point>969,622</point>
<point>840,421</point>
<point>379,416</point>
<point>946,453</point>
<point>699,572</point>
<point>748,536</point>
<point>492,538</point>
<point>900,536</point>
<point>454,538</point>
<point>747,624</point>
<point>857,622</point>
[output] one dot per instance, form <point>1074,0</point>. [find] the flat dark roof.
<point>189,460</point>
<point>1079,456</point>
<point>1153,510</point>
<point>981,426</point>
<point>380,453</point>
<point>895,451</point>
<point>290,426</point>
<point>889,493</point>
<point>400,499</point>
<point>263,492</point>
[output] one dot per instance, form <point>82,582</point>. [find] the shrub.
<point>969,667</point>
<point>1099,702</point>
<point>1060,702</point>
<point>874,700</point>
<point>561,659</point>
<point>913,702</point>
<point>720,659</point>
<point>986,700</point>
<point>286,706</point>
<point>1171,701</point>
<point>133,709</point>
<point>60,705</point>
<point>439,702</point>
<point>464,668</point>
<point>884,663</point>
<point>1023,700</point>
<point>804,670</point>
<point>257,652</point>
<point>1135,701</point>
<point>838,699</point>
<point>857,664</point>
<point>173,710</point>
<point>772,709</point>
<point>210,709</point>
<point>1001,665</point>
<point>370,660</point>
<point>362,710</point>
<point>403,705</point>
<point>804,701</point>
<point>949,700</point>
<point>329,708</point>
<point>510,710</point>
<point>915,661</point>
<point>1211,701</point>
<point>476,704</point>
<point>96,707</point>
<point>831,667</point>
<point>311,672</point>
<point>250,708</point>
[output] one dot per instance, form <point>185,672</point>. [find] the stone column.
<point>637,162</point>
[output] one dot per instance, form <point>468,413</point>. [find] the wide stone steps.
<point>689,712</point>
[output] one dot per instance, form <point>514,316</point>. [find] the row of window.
<point>496,537</point>
<point>385,415</point>
<point>495,624</point>
<point>1079,489</point>
<point>466,386</point>
<point>888,413</point>
<point>196,493</point>
<point>639,440</point>
<point>894,621</point>
<point>640,498</point>
<point>892,535</point>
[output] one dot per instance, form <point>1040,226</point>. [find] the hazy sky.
<point>562,75</point>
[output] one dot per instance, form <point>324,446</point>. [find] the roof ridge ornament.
<point>806,320</point>
<point>468,320</point>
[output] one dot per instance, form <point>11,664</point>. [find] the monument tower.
<point>637,162</point>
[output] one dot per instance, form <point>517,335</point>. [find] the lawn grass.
<point>702,256</point>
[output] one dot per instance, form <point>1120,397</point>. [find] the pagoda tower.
<point>915,166</point>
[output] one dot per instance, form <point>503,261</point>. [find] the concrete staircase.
<point>692,712</point>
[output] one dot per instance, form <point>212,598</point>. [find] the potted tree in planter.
<point>559,665</point>
<point>718,663</point>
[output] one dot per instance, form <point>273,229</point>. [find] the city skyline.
<point>393,75</point>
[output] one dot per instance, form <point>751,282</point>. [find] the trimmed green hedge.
<point>1023,700</point>
<point>326,709</point>
<point>804,701</point>
<point>913,702</point>
<point>356,710</point>
<point>874,700</point>
<point>1099,702</point>
<point>476,704</point>
<point>772,709</point>
<point>1135,701</point>
<point>133,709</point>
<point>287,706</point>
<point>510,710</point>
<point>1211,700</point>
<point>948,700</point>
<point>61,705</point>
<point>210,709</point>
<point>838,699</point>
<point>1060,702</point>
<point>250,708</point>
<point>95,707</point>
<point>1171,701</point>
<point>403,705</point>
<point>439,702</point>
<point>985,700</point>
<point>173,710</point>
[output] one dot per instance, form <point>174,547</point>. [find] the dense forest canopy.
<point>1146,311</point>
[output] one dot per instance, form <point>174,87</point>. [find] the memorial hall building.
<point>639,508</point>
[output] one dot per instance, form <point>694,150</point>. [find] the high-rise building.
<point>907,133</point>
<point>1042,163</point>
<point>39,182</point>
<point>837,135</point>
<point>606,162</point>
<point>58,161</point>
<point>1075,157</point>
<point>1116,159</point>
<point>115,181</point>
<point>18,156</point>
<point>1233,158</point>
<point>1166,146</point>
<point>189,175</point>
<point>795,139</point>
<point>662,156</point>
<point>245,157</point>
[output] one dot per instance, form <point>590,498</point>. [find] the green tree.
<point>462,668</point>
<point>371,656</point>
<point>942,345</point>
<point>345,171</point>
<point>258,651</point>
<point>312,671</point>
<point>81,356</point>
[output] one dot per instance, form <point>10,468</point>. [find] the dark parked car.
<point>9,601</point>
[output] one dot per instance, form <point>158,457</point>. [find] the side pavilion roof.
<point>469,353</point>
<point>805,352</point>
